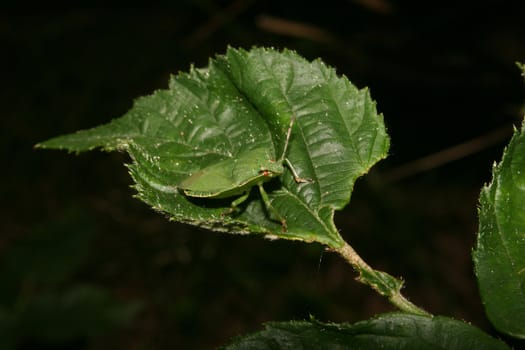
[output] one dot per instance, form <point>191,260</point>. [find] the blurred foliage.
<point>79,67</point>
<point>38,307</point>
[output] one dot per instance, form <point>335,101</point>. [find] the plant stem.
<point>381,282</point>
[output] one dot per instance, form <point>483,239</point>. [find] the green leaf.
<point>499,256</point>
<point>243,101</point>
<point>522,67</point>
<point>389,331</point>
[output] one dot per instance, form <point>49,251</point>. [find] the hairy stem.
<point>381,282</point>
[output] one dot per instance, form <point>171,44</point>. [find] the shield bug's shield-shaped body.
<point>234,177</point>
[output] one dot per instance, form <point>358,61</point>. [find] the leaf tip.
<point>522,67</point>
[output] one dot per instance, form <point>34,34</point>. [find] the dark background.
<point>442,74</point>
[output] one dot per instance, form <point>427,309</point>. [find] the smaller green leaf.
<point>522,67</point>
<point>499,257</point>
<point>389,331</point>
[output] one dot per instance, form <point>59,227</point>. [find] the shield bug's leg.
<point>236,203</point>
<point>296,177</point>
<point>288,134</point>
<point>294,173</point>
<point>270,208</point>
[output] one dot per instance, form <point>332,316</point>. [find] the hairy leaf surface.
<point>500,252</point>
<point>244,100</point>
<point>390,331</point>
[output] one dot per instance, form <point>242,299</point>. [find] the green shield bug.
<point>236,177</point>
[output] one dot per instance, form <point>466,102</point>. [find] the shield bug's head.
<point>271,169</point>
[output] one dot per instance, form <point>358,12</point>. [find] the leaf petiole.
<point>381,282</point>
